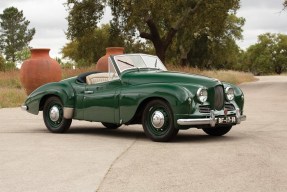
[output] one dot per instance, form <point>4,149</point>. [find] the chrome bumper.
<point>212,120</point>
<point>24,107</point>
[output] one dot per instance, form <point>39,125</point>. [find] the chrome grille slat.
<point>207,108</point>
<point>218,97</point>
<point>229,107</point>
<point>204,109</point>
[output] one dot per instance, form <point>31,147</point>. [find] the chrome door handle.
<point>89,92</point>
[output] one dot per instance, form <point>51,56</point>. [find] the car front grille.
<point>207,108</point>
<point>229,107</point>
<point>218,97</point>
<point>204,108</point>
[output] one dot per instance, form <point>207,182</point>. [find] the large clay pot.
<point>39,69</point>
<point>102,64</point>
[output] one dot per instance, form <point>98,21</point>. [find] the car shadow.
<point>121,132</point>
<point>203,138</point>
<point>182,137</point>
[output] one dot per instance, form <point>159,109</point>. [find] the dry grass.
<point>11,92</point>
<point>234,77</point>
<point>66,73</point>
<point>10,79</point>
<point>13,95</point>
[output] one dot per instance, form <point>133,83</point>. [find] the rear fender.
<point>37,98</point>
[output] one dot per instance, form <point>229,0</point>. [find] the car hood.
<point>143,77</point>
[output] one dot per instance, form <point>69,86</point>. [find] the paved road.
<point>252,157</point>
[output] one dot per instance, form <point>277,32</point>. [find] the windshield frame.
<point>158,62</point>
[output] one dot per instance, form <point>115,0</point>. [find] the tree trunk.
<point>183,56</point>
<point>278,69</point>
<point>161,44</point>
<point>160,52</point>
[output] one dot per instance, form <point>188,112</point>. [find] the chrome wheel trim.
<point>157,119</point>
<point>54,113</point>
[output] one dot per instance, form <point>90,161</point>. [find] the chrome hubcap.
<point>54,114</point>
<point>157,119</point>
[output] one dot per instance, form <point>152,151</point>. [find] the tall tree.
<point>83,19</point>
<point>161,21</point>
<point>14,33</point>
<point>102,37</point>
<point>216,48</point>
<point>2,63</point>
<point>89,48</point>
<point>156,21</point>
<point>268,55</point>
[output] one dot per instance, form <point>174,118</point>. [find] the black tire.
<point>111,125</point>
<point>158,122</point>
<point>53,115</point>
<point>218,130</point>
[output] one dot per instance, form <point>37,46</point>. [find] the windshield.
<point>129,61</point>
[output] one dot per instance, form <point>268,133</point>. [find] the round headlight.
<point>202,94</point>
<point>229,93</point>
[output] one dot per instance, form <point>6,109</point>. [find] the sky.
<point>48,17</point>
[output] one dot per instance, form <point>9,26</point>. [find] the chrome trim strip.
<point>68,113</point>
<point>208,121</point>
<point>239,117</point>
<point>243,118</point>
<point>24,107</point>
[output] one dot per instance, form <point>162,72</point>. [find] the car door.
<point>101,101</point>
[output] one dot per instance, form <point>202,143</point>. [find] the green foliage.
<point>83,17</point>
<point>14,33</point>
<point>10,66</point>
<point>170,25</point>
<point>6,65</point>
<point>23,54</point>
<point>268,55</point>
<point>212,43</point>
<point>87,50</point>
<point>193,32</point>
<point>67,65</point>
<point>2,63</point>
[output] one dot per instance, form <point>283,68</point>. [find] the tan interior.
<point>97,78</point>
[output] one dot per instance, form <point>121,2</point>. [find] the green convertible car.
<point>138,89</point>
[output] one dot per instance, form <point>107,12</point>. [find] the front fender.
<point>132,96</point>
<point>238,95</point>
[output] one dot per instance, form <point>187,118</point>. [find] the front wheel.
<point>158,121</point>
<point>53,114</point>
<point>218,130</point>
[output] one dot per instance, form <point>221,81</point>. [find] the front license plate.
<point>226,120</point>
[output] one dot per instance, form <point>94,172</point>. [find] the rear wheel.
<point>111,125</point>
<point>53,115</point>
<point>157,120</point>
<point>218,130</point>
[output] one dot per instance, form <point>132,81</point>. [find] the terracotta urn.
<point>39,69</point>
<point>102,64</point>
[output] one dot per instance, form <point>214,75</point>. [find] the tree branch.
<point>154,35</point>
<point>173,30</point>
<point>145,35</point>
<point>153,29</point>
<point>186,14</point>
